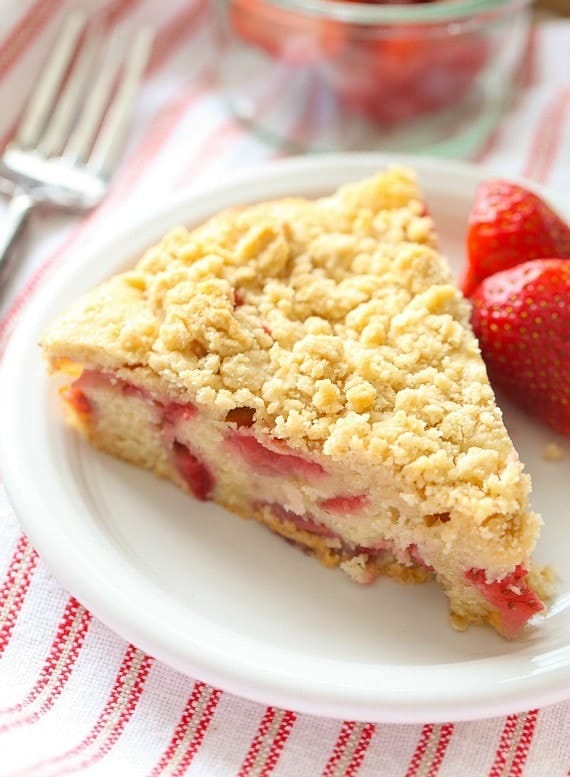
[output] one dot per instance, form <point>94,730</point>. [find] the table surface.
<point>73,696</point>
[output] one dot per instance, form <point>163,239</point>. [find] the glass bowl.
<point>314,75</point>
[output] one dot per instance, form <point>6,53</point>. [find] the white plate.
<point>223,599</point>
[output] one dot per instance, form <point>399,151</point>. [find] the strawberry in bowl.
<point>337,74</point>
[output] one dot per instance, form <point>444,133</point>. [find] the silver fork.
<point>73,128</point>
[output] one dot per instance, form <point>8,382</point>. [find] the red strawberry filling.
<point>266,461</point>
<point>76,398</point>
<point>307,523</point>
<point>130,390</point>
<point>93,379</point>
<point>345,505</point>
<point>303,522</point>
<point>417,558</point>
<point>512,597</point>
<point>174,412</point>
<point>195,472</point>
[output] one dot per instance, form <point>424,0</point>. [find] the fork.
<point>73,127</point>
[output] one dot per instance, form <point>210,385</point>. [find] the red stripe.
<point>26,31</point>
<point>180,730</point>
<point>108,716</point>
<point>420,750</point>
<point>525,741</point>
<point>16,583</point>
<point>528,71</point>
<point>552,148</point>
<point>504,746</point>
<point>360,750</point>
<point>340,746</point>
<point>526,77</point>
<point>441,749</point>
<point>159,132</point>
<point>198,738</point>
<point>60,645</point>
<point>279,742</point>
<point>188,715</point>
<point>116,9</point>
<point>228,130</point>
<point>256,743</point>
<point>120,723</point>
<point>543,128</point>
<point>547,137</point>
<point>489,145</point>
<point>176,32</point>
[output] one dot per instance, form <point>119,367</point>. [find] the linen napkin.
<point>74,697</point>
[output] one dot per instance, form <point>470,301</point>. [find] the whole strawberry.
<point>509,225</point>
<point>522,319</point>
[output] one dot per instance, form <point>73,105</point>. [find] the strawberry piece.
<point>78,401</point>
<point>344,505</point>
<point>266,461</point>
<point>509,225</point>
<point>129,390</point>
<point>170,415</point>
<point>195,472</point>
<point>394,78</point>
<point>512,597</point>
<point>522,319</point>
<point>304,522</point>
<point>417,558</point>
<point>173,412</point>
<point>295,38</point>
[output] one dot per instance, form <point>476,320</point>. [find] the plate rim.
<point>397,702</point>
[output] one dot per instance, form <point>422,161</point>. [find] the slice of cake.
<point>310,364</point>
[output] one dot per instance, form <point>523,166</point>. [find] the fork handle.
<point>11,226</point>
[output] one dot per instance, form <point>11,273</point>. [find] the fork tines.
<point>82,102</point>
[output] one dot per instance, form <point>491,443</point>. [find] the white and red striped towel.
<point>73,696</point>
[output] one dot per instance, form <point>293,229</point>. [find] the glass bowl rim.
<point>366,14</point>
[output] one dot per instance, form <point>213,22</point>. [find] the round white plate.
<point>222,599</point>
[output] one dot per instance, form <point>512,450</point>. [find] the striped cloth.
<point>76,698</point>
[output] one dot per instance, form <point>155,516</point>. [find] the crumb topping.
<point>335,320</point>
